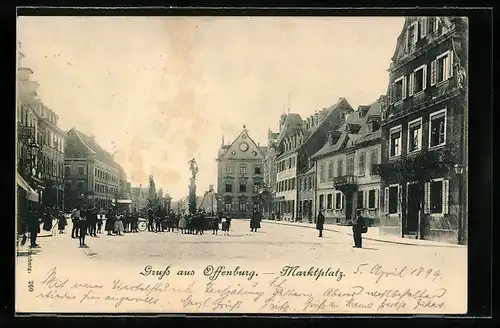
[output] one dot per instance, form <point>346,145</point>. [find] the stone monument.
<point>193,167</point>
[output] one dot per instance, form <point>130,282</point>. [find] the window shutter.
<point>427,200</point>
<point>412,82</point>
<point>399,199</point>
<point>433,72</point>
<point>386,200</point>
<point>341,201</point>
<point>423,27</point>
<point>424,82</point>
<point>365,198</point>
<point>450,63</point>
<point>404,87</point>
<point>446,185</point>
<point>377,198</point>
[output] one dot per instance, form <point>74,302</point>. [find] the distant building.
<point>424,132</point>
<point>92,177</point>
<point>239,175</point>
<point>139,197</point>
<point>268,190</point>
<point>298,140</point>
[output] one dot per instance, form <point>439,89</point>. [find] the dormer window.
<point>412,33</point>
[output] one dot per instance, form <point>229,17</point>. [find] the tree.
<point>152,191</point>
<point>160,193</point>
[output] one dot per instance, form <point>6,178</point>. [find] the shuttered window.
<point>386,200</point>
<point>361,166</point>
<point>437,197</point>
<point>339,201</point>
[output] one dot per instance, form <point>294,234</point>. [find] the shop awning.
<point>124,201</point>
<point>32,194</point>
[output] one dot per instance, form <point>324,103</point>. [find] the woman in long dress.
<point>110,223</point>
<point>62,222</point>
<point>183,224</point>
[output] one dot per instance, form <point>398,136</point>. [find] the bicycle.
<point>142,225</point>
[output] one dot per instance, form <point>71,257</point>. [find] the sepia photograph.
<point>242,164</point>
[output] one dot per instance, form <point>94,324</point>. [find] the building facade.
<point>268,192</point>
<point>344,176</point>
<point>139,197</point>
<point>92,177</point>
<point>297,142</point>
<point>239,176</point>
<point>306,197</point>
<point>424,132</point>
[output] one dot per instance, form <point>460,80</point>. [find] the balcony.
<point>345,181</point>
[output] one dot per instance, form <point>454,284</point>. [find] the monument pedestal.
<point>192,196</point>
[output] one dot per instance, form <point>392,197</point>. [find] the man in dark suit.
<point>320,221</point>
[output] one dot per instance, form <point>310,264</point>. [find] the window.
<point>322,173</point>
<point>340,169</point>
<point>311,183</point>
<point>256,170</point>
<point>293,161</point>
<point>393,199</point>
<point>321,202</point>
<point>415,135</point>
<point>350,164</point>
<point>330,170</point>
<point>229,169</point>
<point>418,80</point>
<point>399,89</point>
<point>67,170</point>
<point>243,186</point>
<point>442,68</point>
<point>243,169</point>
<point>395,142</point>
<point>338,201</point>
<point>256,187</point>
<point>436,197</point>
<point>371,198</point>
<point>80,185</point>
<point>292,181</point>
<point>242,206</point>
<point>412,36</point>
<point>290,163</point>
<point>437,129</point>
<point>95,186</point>
<point>329,201</point>
<point>95,171</point>
<point>374,156</point>
<point>361,194</point>
<point>229,187</point>
<point>81,170</point>
<point>361,164</point>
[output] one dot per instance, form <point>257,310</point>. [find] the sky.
<point>158,91</point>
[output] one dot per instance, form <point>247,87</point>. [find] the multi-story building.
<point>297,142</point>
<point>92,177</point>
<point>139,197</point>
<point>424,132</point>
<point>268,190</point>
<point>28,152</point>
<point>209,201</point>
<point>239,176</point>
<point>306,187</point>
<point>344,176</point>
<point>52,145</point>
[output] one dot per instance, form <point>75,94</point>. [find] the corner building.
<point>424,132</point>
<point>239,176</point>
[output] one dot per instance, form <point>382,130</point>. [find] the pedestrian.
<point>183,223</point>
<point>358,228</point>
<point>320,221</point>
<point>82,230</point>
<point>119,225</point>
<point>62,222</point>
<point>75,217</point>
<point>33,228</point>
<point>99,223</point>
<point>110,222</point>
<point>255,221</point>
<point>150,219</point>
<point>158,220</point>
<point>92,222</point>
<point>47,220</point>
<point>215,224</point>
<point>135,221</point>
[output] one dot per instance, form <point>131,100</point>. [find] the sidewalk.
<point>372,234</point>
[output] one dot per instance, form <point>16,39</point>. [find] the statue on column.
<point>193,167</point>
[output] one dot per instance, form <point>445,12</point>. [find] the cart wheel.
<point>142,226</point>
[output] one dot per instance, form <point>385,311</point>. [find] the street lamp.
<point>459,169</point>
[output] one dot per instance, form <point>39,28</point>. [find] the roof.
<point>292,121</point>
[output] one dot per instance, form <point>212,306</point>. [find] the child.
<point>99,223</point>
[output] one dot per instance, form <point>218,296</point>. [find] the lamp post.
<point>462,226</point>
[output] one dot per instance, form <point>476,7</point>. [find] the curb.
<point>369,238</point>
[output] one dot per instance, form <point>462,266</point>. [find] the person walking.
<point>99,223</point>
<point>255,221</point>
<point>33,228</point>
<point>135,221</point>
<point>110,222</point>
<point>62,222</point>
<point>215,224</point>
<point>82,229</point>
<point>92,221</point>
<point>358,228</point>
<point>75,217</point>
<point>320,221</point>
<point>150,219</point>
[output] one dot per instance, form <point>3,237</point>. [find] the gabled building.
<point>239,175</point>
<point>92,177</point>
<point>297,142</point>
<point>424,132</point>
<point>345,177</point>
<point>268,190</point>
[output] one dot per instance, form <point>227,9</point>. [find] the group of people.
<point>29,221</point>
<point>358,227</point>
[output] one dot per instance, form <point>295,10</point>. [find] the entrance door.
<point>412,208</point>
<point>348,205</point>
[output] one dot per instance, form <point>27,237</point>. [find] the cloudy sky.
<point>158,91</point>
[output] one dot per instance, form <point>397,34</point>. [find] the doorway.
<point>348,206</point>
<point>412,208</point>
